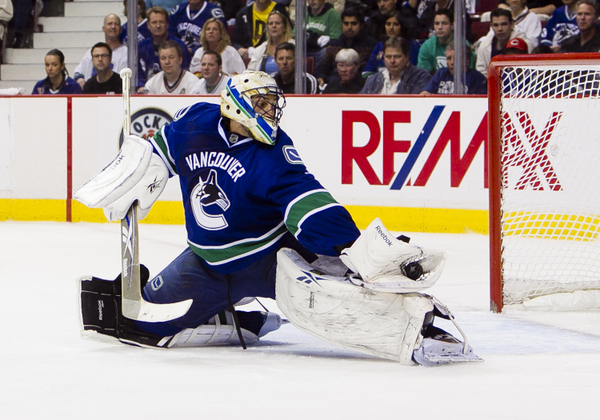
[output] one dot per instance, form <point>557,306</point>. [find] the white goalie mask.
<point>253,99</point>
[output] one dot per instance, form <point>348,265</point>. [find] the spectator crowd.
<point>353,46</point>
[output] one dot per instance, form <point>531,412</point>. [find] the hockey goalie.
<point>260,225</point>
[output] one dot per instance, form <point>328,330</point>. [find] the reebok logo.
<point>309,278</point>
<point>383,236</point>
<point>155,184</point>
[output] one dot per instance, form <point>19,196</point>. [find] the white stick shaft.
<point>133,305</point>
<point>126,80</point>
<point>130,275</point>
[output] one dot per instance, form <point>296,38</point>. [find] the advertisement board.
<point>419,163</point>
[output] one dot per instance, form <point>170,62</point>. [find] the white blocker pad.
<point>382,261</point>
<point>334,309</point>
<point>145,192</point>
<point>122,174</point>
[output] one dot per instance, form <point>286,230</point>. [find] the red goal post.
<point>544,176</point>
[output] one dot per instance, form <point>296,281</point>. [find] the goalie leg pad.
<point>100,302</point>
<point>384,262</point>
<point>332,308</point>
<point>390,325</point>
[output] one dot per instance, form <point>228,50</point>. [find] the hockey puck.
<point>413,270</point>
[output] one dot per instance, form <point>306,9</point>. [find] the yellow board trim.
<point>409,219</point>
<point>402,219</point>
<point>162,213</point>
<point>37,210</point>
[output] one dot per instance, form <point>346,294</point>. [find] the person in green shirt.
<point>323,23</point>
<point>432,55</point>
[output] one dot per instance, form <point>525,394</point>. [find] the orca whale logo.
<point>205,194</point>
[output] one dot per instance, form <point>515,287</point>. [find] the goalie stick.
<point>133,305</point>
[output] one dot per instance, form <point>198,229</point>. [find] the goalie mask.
<point>253,99</point>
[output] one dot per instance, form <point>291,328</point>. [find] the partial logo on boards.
<point>146,122</point>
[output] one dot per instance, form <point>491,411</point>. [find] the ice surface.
<point>537,365</point>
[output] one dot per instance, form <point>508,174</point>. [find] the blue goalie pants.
<point>188,276</point>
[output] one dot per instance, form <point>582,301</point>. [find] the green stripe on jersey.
<point>161,144</point>
<point>309,203</point>
<point>217,255</point>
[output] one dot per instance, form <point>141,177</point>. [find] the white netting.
<point>550,119</point>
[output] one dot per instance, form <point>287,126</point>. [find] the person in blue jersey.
<point>58,81</point>
<point>187,19</point>
<point>561,25</point>
<point>394,26</point>
<point>442,82</point>
<point>142,23</point>
<point>148,55</point>
<point>246,194</point>
<point>257,222</point>
<point>588,38</point>
<point>400,76</point>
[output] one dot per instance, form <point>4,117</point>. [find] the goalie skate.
<point>443,349</point>
<point>439,347</point>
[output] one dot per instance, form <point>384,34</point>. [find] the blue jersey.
<point>149,63</point>
<point>142,32</point>
<point>186,24</point>
<point>376,60</point>
<point>559,27</point>
<point>442,83</point>
<point>242,197</point>
<point>44,87</point>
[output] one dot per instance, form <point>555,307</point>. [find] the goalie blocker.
<point>136,174</point>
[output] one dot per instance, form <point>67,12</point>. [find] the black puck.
<point>413,270</point>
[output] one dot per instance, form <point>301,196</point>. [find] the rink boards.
<point>418,163</point>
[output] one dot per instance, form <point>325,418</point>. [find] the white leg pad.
<point>334,309</point>
<point>214,333</point>
<point>208,335</point>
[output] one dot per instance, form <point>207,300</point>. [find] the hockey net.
<point>544,172</point>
